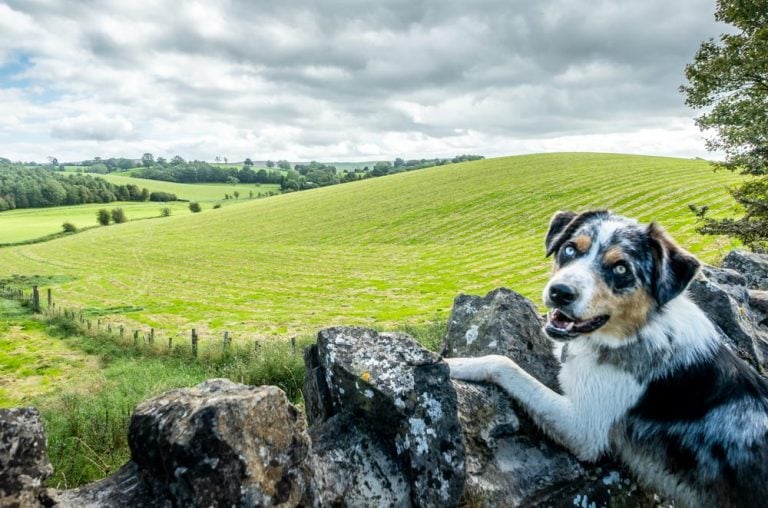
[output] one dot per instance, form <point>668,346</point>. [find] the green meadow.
<point>380,252</point>
<point>201,192</point>
<point>31,223</point>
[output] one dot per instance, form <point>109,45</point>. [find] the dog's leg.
<point>553,413</point>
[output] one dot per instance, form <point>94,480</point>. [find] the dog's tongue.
<point>561,320</point>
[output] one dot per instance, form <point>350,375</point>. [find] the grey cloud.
<point>504,68</point>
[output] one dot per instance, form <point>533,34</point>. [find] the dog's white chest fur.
<point>600,395</point>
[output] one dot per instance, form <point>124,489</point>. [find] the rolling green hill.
<point>377,252</point>
<point>202,192</point>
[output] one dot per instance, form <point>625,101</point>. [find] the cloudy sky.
<point>344,80</point>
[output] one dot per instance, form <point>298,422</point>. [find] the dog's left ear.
<point>557,224</point>
<point>673,267</point>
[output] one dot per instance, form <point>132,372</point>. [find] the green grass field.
<point>30,223</point>
<point>379,252</point>
<point>201,192</point>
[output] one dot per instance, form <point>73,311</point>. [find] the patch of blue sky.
<point>12,76</point>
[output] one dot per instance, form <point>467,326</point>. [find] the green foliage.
<point>118,216</point>
<point>195,207</point>
<point>36,187</point>
<point>163,197</point>
<point>68,227</point>
<point>165,211</point>
<point>103,217</point>
<point>729,80</point>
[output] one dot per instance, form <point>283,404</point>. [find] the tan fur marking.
<point>628,312</point>
<point>613,255</point>
<point>583,243</point>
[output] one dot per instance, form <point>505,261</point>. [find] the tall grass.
<point>87,424</point>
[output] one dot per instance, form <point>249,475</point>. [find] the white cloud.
<point>346,80</point>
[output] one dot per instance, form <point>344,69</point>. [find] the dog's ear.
<point>556,226</point>
<point>673,267</point>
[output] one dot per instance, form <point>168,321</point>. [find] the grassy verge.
<point>87,409</point>
<point>87,420</point>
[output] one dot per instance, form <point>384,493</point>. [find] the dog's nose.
<point>561,294</point>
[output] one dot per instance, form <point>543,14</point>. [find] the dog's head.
<point>610,274</point>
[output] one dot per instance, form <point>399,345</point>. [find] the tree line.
<point>39,187</point>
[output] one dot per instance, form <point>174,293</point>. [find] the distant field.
<point>377,252</point>
<point>202,192</point>
<point>30,223</point>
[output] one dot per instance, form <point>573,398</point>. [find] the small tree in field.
<point>103,217</point>
<point>68,227</point>
<point>118,216</point>
<point>165,211</point>
<point>195,207</point>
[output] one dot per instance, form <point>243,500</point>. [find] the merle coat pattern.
<point>644,374</point>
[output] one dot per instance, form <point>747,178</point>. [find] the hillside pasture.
<point>201,192</point>
<point>30,223</point>
<point>379,252</point>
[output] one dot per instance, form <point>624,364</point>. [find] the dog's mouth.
<point>560,325</point>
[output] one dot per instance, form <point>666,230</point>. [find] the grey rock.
<point>753,266</point>
<point>351,466</point>
<point>124,488</point>
<point>221,444</point>
<point>502,322</point>
<point>723,296</point>
<point>401,393</point>
<point>758,304</point>
<point>24,464</point>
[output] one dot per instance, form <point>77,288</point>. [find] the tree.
<point>118,216</point>
<point>147,160</point>
<point>68,227</point>
<point>103,217</point>
<point>248,162</point>
<point>270,164</point>
<point>283,164</point>
<point>729,80</point>
<point>195,207</point>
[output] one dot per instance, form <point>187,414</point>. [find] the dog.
<point>644,374</point>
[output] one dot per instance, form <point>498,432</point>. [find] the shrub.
<point>68,227</point>
<point>195,207</point>
<point>118,216</point>
<point>162,197</point>
<point>103,217</point>
<point>216,206</point>
<point>165,211</point>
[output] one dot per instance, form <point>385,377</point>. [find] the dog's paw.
<point>467,369</point>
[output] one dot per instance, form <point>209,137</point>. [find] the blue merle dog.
<point>644,374</point>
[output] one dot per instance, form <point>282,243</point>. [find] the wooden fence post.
<point>226,341</point>
<point>194,343</point>
<point>50,298</point>
<point>136,338</point>
<point>121,331</point>
<point>152,336</point>
<point>35,300</point>
<point>170,344</point>
<point>293,346</point>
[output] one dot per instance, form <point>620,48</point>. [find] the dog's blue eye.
<point>619,269</point>
<point>569,250</point>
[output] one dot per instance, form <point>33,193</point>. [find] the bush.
<point>195,207</point>
<point>217,206</point>
<point>68,227</point>
<point>165,211</point>
<point>118,216</point>
<point>162,197</point>
<point>103,217</point>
